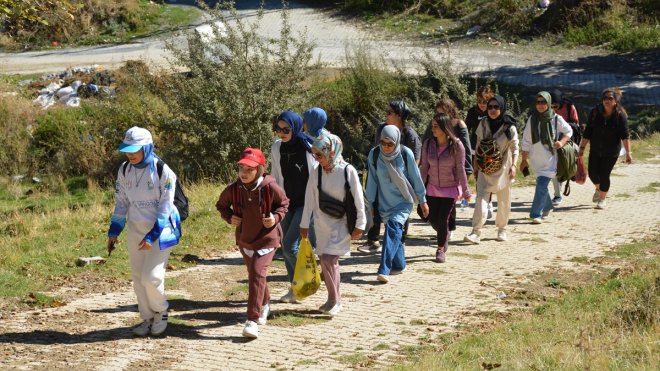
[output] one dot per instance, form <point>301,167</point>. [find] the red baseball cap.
<point>252,157</point>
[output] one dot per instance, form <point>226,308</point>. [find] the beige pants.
<point>481,206</point>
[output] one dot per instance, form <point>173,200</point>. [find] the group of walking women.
<point>309,178</point>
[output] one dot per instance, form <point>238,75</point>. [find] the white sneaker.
<point>334,310</point>
<point>289,298</point>
<point>472,238</point>
<point>537,221</point>
<point>251,330</point>
<point>263,318</point>
<point>601,204</point>
<point>143,328</point>
<point>501,235</point>
<point>383,278</point>
<point>160,323</point>
<point>596,196</point>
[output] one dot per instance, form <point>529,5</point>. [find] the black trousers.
<point>440,211</point>
<point>600,168</point>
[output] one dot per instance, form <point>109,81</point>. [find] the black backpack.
<point>577,131</point>
<point>180,198</point>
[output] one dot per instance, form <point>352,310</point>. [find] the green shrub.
<point>237,83</point>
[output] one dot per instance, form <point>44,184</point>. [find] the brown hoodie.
<point>252,234</point>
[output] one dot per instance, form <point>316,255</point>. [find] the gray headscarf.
<point>392,133</point>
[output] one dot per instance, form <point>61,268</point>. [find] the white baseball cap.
<point>134,139</point>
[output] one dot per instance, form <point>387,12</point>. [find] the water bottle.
<point>463,204</point>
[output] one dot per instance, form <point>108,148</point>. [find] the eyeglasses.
<point>493,107</point>
<point>609,97</point>
<point>282,130</point>
<point>317,155</point>
<point>541,102</point>
<point>386,144</point>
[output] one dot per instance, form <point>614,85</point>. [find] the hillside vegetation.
<point>623,25</point>
<point>30,24</point>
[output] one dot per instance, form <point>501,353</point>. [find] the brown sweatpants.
<point>258,294</point>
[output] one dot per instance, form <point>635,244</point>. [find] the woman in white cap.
<point>145,199</point>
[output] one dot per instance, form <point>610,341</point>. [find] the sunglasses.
<point>482,102</point>
<point>317,155</point>
<point>494,107</point>
<point>282,130</point>
<point>386,144</point>
<point>609,97</point>
<point>541,102</point>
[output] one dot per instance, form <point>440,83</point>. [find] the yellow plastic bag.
<point>306,276</point>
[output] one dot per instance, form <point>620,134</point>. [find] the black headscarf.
<point>503,119</point>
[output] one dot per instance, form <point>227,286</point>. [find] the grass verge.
<point>611,323</point>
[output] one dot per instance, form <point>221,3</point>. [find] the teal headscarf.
<point>542,122</point>
<point>330,146</point>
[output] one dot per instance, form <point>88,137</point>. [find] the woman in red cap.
<point>255,205</point>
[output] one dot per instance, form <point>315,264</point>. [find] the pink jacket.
<point>444,170</point>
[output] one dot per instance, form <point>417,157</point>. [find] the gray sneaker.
<point>371,247</point>
<point>596,196</point>
<point>143,328</point>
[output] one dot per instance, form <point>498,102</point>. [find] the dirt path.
<point>378,322</point>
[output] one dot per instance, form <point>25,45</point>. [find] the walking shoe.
<point>143,328</point>
<point>394,273</point>
<point>501,235</point>
<point>601,204</point>
<point>596,196</point>
<point>472,238</point>
<point>489,211</point>
<point>556,201</point>
<point>160,323</point>
<point>327,305</point>
<point>383,278</point>
<point>265,311</point>
<point>537,220</point>
<point>440,256</point>
<point>334,310</point>
<point>251,330</point>
<point>289,298</point>
<point>546,213</point>
<point>371,247</point>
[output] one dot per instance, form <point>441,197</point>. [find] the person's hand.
<point>144,245</point>
<point>236,221</point>
<point>629,159</point>
<point>512,172</point>
<point>425,209</point>
<point>558,144</point>
<point>304,232</point>
<point>523,163</point>
<point>468,198</point>
<point>111,244</point>
<point>357,233</point>
<point>269,221</point>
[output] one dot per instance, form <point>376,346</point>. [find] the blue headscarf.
<point>295,122</point>
<point>397,176</point>
<point>149,156</point>
<point>315,118</point>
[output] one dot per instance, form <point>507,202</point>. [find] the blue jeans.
<point>291,240</point>
<point>393,256</point>
<point>542,201</point>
